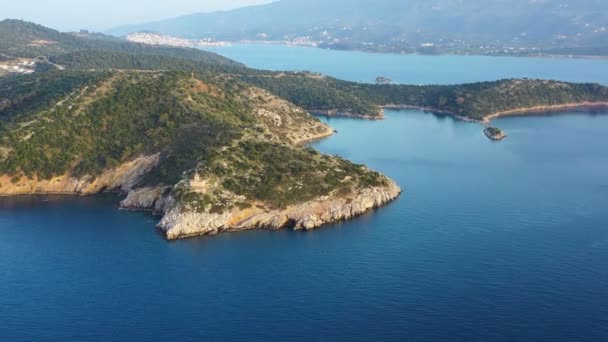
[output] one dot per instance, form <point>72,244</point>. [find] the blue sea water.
<point>491,241</point>
<point>413,69</point>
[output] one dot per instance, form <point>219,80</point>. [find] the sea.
<point>490,241</point>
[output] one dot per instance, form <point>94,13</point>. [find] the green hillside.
<point>24,39</point>
<point>475,101</point>
<point>440,26</point>
<point>308,90</point>
<point>86,123</point>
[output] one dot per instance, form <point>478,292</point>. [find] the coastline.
<point>313,46</point>
<point>179,223</point>
<point>430,110</point>
<point>513,112</point>
<point>319,137</point>
<point>121,178</point>
<point>544,109</point>
<point>334,113</point>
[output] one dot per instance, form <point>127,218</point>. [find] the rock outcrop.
<point>179,222</point>
<point>284,119</point>
<point>123,178</point>
<point>157,199</point>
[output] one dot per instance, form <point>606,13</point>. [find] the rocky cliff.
<point>123,178</point>
<point>181,222</point>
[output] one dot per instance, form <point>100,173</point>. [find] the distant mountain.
<point>24,39</point>
<point>402,24</point>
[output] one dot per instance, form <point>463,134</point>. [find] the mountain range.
<point>404,25</point>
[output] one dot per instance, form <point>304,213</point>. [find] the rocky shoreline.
<point>178,222</point>
<point>545,109</point>
<point>181,222</point>
<point>519,111</point>
<point>122,178</point>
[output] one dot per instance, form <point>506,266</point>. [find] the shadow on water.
<point>36,201</point>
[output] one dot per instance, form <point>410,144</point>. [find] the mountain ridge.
<point>404,26</point>
<point>29,40</point>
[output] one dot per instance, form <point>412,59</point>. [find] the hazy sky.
<point>103,14</point>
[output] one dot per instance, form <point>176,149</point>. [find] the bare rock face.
<point>157,199</point>
<point>179,222</point>
<point>285,119</point>
<point>124,177</point>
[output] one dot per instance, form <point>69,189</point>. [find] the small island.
<point>494,133</point>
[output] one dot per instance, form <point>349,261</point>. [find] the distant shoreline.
<point>514,112</point>
<point>545,109</point>
<point>431,110</point>
<point>331,113</point>
<point>540,55</point>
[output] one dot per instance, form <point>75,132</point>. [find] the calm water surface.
<point>490,242</point>
<point>413,69</point>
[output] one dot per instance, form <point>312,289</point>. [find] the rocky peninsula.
<point>181,221</point>
<point>214,156</point>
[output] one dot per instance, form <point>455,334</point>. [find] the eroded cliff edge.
<point>257,184</point>
<point>122,178</point>
<point>181,221</point>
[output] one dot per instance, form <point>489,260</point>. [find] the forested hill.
<point>24,39</point>
<point>205,144</point>
<point>310,91</point>
<point>84,122</point>
<point>475,101</point>
<point>398,25</point>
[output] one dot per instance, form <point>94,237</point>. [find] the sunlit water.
<point>491,241</point>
